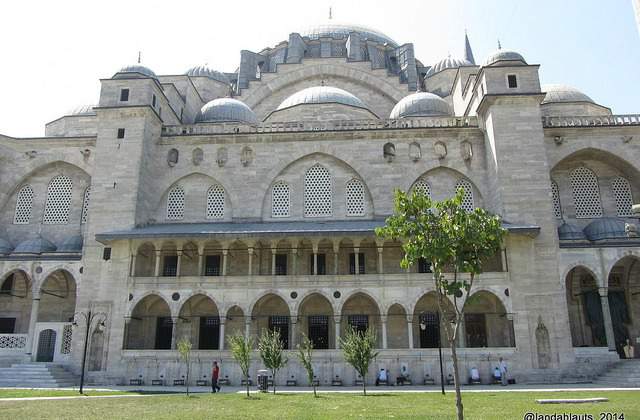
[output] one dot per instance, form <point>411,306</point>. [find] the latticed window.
<point>423,188</point>
<point>24,206</point>
<point>280,200</point>
<point>355,198</point>
<point>622,194</point>
<point>359,323</point>
<point>215,202</point>
<point>58,204</point>
<point>467,198</point>
<point>586,194</point>
<point>85,205</point>
<point>317,192</point>
<point>555,193</point>
<point>175,203</point>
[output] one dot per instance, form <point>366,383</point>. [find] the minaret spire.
<point>468,52</point>
<point>139,56</point>
<point>330,14</point>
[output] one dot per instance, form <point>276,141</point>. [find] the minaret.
<point>468,53</point>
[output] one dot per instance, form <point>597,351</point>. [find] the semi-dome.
<point>420,104</point>
<point>135,68</point>
<point>226,110</point>
<point>605,228</point>
<point>82,110</point>
<point>322,95</point>
<point>336,30</point>
<point>71,244</point>
<point>448,63</point>
<point>569,232</point>
<point>204,71</point>
<point>563,93</point>
<point>504,55</point>
<point>37,245</point>
<point>5,247</point>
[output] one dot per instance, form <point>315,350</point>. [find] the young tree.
<point>305,355</point>
<point>184,348</point>
<point>271,352</point>
<point>452,240</point>
<point>359,350</point>
<point>241,349</point>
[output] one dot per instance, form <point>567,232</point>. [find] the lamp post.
<point>423,326</point>
<point>88,317</point>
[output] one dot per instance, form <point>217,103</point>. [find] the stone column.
<point>273,261</point>
<point>462,335</point>
<point>35,305</point>
<point>200,263</point>
<point>294,332</point>
<point>383,321</point>
<point>225,252</point>
<point>158,258</point>
<point>247,327</point>
<point>336,250</point>
<point>133,265</point>
<point>294,260</point>
<point>356,258</point>
<point>179,263</point>
<point>174,332</point>
<point>336,319</point>
<point>380,265</point>
<point>410,330</point>
<point>250,250</point>
<point>221,339</point>
<point>606,316</point>
<point>314,247</point>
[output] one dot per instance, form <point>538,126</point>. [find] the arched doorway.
<point>235,323</point>
<point>57,298</point>
<point>15,303</point>
<point>271,313</point>
<point>427,322</point>
<point>624,300</point>
<point>199,322</point>
<point>360,312</point>
<point>150,326</point>
<point>46,345</point>
<point>486,322</point>
<point>315,320</point>
<point>585,310</point>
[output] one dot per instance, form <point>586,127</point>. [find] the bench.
<point>450,380</point>
<point>475,381</point>
<point>358,382</point>
<point>244,382</point>
<point>379,382</point>
<point>177,382</point>
<point>202,382</point>
<point>224,381</point>
<point>157,382</point>
<point>400,380</point>
<point>315,382</point>
<point>336,382</point>
<point>135,382</point>
<point>292,382</point>
<point>428,380</point>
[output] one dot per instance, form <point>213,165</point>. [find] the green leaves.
<point>305,356</point>
<point>359,349</point>
<point>272,352</point>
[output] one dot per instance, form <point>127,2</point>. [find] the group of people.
<point>499,374</point>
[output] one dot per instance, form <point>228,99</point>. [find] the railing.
<point>347,125</point>
<point>13,343</point>
<point>592,121</point>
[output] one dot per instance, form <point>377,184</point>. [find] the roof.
<point>420,104</point>
<point>226,110</point>
<point>204,71</point>
<point>606,228</point>
<point>37,245</point>
<point>136,68</point>
<point>563,93</point>
<point>336,30</point>
<point>236,229</point>
<point>504,55</point>
<point>82,110</point>
<point>322,95</point>
<point>448,63</point>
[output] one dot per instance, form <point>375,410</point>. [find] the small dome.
<point>448,63</point>
<point>5,247</point>
<point>37,245</point>
<point>82,110</point>
<point>563,93</point>
<point>204,71</point>
<point>420,104</point>
<point>568,232</point>
<point>72,244</point>
<point>135,68</point>
<point>605,228</point>
<point>504,55</point>
<point>322,95</point>
<point>226,110</point>
<point>340,31</point>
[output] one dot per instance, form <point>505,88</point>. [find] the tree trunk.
<point>273,375</point>
<point>364,385</point>
<point>314,391</point>
<point>456,380</point>
<point>247,376</point>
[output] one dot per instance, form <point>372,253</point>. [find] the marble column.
<point>247,327</point>
<point>35,305</point>
<point>294,261</point>
<point>380,265</point>
<point>158,259</point>
<point>273,261</point>
<point>410,330</point>
<point>133,265</point>
<point>294,332</point>
<point>250,250</point>
<point>336,320</point>
<point>225,252</point>
<point>200,263</point>
<point>383,321</point>
<point>356,251</point>
<point>174,332</point>
<point>606,316</point>
<point>221,334</point>
<point>179,263</point>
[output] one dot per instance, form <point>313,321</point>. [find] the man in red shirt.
<point>214,378</point>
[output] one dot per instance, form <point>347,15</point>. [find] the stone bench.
<point>292,382</point>
<point>202,382</point>
<point>136,382</point>
<point>157,382</point>
<point>178,382</point>
<point>224,381</point>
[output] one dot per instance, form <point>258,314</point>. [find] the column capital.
<point>337,318</point>
<point>603,291</point>
<point>225,251</point>
<point>383,319</point>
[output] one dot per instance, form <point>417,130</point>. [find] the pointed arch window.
<point>175,203</point>
<point>58,202</point>
<point>422,187</point>
<point>317,192</point>
<point>555,194</point>
<point>467,198</point>
<point>622,194</point>
<point>85,205</point>
<point>280,200</point>
<point>24,206</point>
<point>586,193</point>
<point>215,202</point>
<point>354,194</point>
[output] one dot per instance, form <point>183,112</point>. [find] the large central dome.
<point>338,30</point>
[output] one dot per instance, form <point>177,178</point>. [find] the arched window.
<point>423,188</point>
<point>85,205</point>
<point>24,206</point>
<point>58,203</point>
<point>555,193</point>
<point>467,199</point>
<point>354,193</point>
<point>586,194</point>
<point>317,192</point>
<point>280,200</point>
<point>622,194</point>
<point>175,204</point>
<point>215,202</point>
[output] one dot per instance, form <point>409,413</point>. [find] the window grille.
<point>423,188</point>
<point>280,323</point>
<point>215,202</point>
<point>58,203</point>
<point>24,206</point>
<point>359,323</point>
<point>170,266</point>
<point>352,263</point>
<point>85,205</point>
<point>586,193</point>
<point>355,198</point>
<point>317,192</point>
<point>212,265</point>
<point>280,200</point>
<point>175,204</point>
<point>281,265</point>
<point>622,194</point>
<point>319,331</point>
<point>467,199</point>
<point>557,209</point>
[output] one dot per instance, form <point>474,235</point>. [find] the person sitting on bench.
<point>382,377</point>
<point>497,376</point>
<point>475,376</point>
<point>403,378</point>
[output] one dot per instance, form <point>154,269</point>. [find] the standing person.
<point>503,372</point>
<point>215,373</point>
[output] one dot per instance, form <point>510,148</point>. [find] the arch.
<point>486,322</point>
<point>58,201</point>
<point>199,321</point>
<point>576,151</point>
<point>310,293</point>
<point>586,193</point>
<point>57,297</point>
<point>24,206</point>
<point>443,182</point>
<point>584,308</point>
<point>150,325</point>
<point>361,311</point>
<point>427,321</point>
<point>397,336</point>
<point>623,284</point>
<point>15,301</point>
<point>175,203</point>
<point>316,320</point>
<point>271,312</point>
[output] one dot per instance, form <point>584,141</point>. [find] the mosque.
<point>208,204</point>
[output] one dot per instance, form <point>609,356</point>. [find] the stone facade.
<point>227,226</point>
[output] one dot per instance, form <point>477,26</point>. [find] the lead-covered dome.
<point>505,55</point>
<point>448,63</point>
<point>569,232</point>
<point>564,94</point>
<point>322,95</point>
<point>135,69</point>
<point>605,228</point>
<point>337,30</point>
<point>5,247</point>
<point>204,71</point>
<point>226,110</point>
<point>420,104</point>
<point>82,110</point>
<point>37,245</point>
<point>71,244</point>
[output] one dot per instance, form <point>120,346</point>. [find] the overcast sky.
<point>55,52</point>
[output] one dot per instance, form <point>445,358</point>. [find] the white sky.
<point>54,52</point>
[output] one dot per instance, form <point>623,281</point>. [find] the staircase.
<point>36,375</point>
<point>625,373</point>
